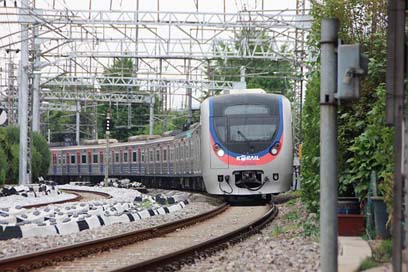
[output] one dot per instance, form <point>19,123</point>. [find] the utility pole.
<point>23,174</point>
<point>151,113</point>
<point>394,116</point>
<point>78,122</point>
<point>328,146</point>
<point>108,125</point>
<point>36,87</point>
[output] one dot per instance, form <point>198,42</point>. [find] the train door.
<point>101,162</point>
<point>130,158</point>
<point>78,162</point>
<point>90,161</point>
<point>218,151</point>
<point>54,163</point>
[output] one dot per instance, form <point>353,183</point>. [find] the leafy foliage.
<point>363,139</point>
<point>9,155</point>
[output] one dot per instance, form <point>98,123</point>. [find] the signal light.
<point>108,124</point>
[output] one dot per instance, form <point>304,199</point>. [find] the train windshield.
<point>246,129</point>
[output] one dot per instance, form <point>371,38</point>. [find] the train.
<point>242,146</point>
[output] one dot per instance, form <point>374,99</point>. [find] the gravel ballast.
<point>281,246</point>
<point>198,204</point>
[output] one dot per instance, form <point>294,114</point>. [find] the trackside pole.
<point>328,146</point>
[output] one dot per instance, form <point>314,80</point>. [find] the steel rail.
<point>75,199</point>
<point>49,257</point>
<point>210,245</point>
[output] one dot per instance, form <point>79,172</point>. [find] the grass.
<point>146,204</point>
<point>278,230</point>
<point>367,264</point>
<point>381,254</point>
<point>291,216</point>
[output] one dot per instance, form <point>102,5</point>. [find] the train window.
<point>59,159</point>
<point>164,154</point>
<point>73,159</point>
<point>134,156</point>
<point>220,127</point>
<point>125,157</point>
<point>117,157</point>
<point>95,158</point>
<point>151,155</point>
<point>158,155</point>
<point>252,128</point>
<point>142,156</point>
<point>83,159</point>
<point>246,109</point>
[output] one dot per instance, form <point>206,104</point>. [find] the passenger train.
<point>241,147</point>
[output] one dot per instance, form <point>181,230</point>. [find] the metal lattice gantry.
<point>71,50</point>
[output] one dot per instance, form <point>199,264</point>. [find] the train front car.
<point>246,144</point>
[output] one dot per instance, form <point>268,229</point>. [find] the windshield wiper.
<point>247,141</point>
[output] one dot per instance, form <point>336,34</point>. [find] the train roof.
<point>243,91</point>
<point>153,140</point>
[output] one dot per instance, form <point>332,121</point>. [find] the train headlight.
<point>275,149</point>
<point>218,150</point>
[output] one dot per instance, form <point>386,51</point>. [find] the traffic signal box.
<point>108,124</point>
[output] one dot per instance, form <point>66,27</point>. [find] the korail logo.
<point>247,158</point>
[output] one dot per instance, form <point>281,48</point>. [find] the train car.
<point>246,143</point>
<point>164,162</point>
<point>242,146</point>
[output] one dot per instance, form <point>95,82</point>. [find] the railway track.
<point>80,196</point>
<point>132,251</point>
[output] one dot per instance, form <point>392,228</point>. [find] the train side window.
<point>83,159</point>
<point>59,159</point>
<point>125,157</point>
<point>134,156</point>
<point>151,158</point>
<point>158,154</point>
<point>117,157</point>
<point>142,156</point>
<point>95,158</point>
<point>73,159</point>
<point>164,155</point>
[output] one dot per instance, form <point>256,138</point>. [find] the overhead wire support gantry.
<point>71,50</point>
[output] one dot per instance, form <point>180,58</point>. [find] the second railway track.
<point>149,248</point>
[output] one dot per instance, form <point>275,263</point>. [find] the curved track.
<point>80,196</point>
<point>147,249</point>
<point>55,256</point>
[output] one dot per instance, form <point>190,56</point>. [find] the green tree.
<point>41,148</point>
<point>361,129</point>
<point>3,166</point>
<point>9,152</point>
